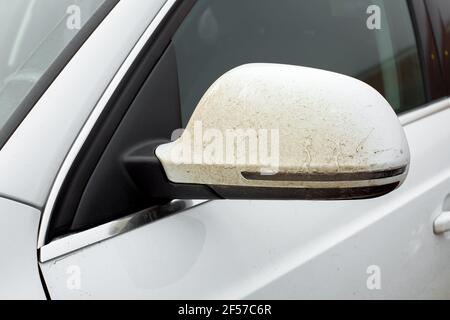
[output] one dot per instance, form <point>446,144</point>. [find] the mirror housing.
<point>272,131</point>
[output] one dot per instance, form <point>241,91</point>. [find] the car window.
<point>373,41</point>
<point>32,35</point>
<point>439,11</point>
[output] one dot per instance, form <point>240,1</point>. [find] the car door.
<point>101,238</point>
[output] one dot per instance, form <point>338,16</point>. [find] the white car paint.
<point>19,274</point>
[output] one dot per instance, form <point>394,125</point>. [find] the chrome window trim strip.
<point>71,243</point>
<point>424,111</point>
<point>85,131</point>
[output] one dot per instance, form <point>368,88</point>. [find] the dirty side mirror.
<point>272,131</point>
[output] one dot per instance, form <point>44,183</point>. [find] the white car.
<point>101,197</point>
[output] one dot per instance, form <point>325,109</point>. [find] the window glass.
<point>335,35</point>
<point>439,11</point>
<point>32,35</point>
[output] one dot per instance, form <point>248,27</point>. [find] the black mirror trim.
<point>360,193</point>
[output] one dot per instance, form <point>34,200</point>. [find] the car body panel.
<point>19,274</point>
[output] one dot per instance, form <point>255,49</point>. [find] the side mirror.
<point>271,131</point>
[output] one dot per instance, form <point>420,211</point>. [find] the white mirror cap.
<point>333,132</point>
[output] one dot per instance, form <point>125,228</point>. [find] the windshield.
<point>33,33</point>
